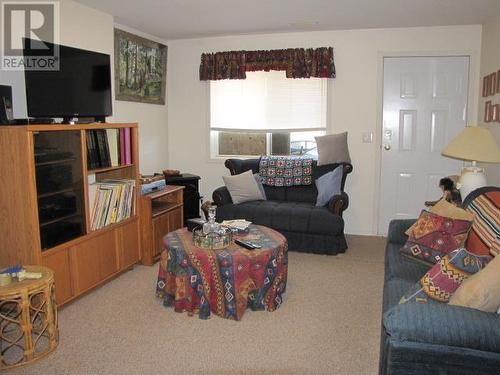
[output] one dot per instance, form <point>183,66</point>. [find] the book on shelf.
<point>108,148</point>
<point>121,143</point>
<point>111,201</point>
<point>102,148</point>
<point>92,161</point>
<point>113,143</point>
<point>127,150</point>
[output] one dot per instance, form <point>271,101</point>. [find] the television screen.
<point>80,88</point>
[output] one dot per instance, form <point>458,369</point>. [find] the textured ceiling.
<point>176,19</point>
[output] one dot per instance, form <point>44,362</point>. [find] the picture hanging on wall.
<point>140,69</point>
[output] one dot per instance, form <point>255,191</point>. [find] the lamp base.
<point>471,179</point>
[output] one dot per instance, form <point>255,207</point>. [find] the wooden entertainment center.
<point>45,206</point>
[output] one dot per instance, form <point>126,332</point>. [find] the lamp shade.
<point>474,144</point>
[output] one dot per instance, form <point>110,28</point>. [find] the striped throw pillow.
<point>484,237</point>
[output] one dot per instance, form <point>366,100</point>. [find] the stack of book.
<point>108,148</point>
<point>111,201</point>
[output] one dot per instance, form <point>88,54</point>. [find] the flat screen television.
<point>80,88</point>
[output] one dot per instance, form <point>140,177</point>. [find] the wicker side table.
<point>28,319</point>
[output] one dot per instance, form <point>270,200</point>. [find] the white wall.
<point>87,28</point>
<point>490,62</point>
<point>353,101</point>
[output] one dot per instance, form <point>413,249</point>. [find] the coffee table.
<point>224,282</point>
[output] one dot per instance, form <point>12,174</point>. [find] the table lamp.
<point>475,144</point>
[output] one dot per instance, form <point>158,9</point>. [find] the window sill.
<point>222,159</point>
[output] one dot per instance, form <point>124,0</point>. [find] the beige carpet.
<point>329,324</point>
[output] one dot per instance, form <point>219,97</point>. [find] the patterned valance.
<point>296,62</point>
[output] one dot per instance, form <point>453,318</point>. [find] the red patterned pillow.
<point>434,236</point>
<point>484,238</point>
<point>444,278</point>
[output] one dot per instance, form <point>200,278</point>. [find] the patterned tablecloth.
<point>224,282</point>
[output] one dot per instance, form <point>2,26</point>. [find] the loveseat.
<point>432,338</point>
<point>291,210</point>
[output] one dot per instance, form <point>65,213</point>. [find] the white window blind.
<point>268,101</point>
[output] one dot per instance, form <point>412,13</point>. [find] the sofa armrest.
<point>221,196</point>
<point>397,229</point>
<point>339,203</point>
<point>442,324</point>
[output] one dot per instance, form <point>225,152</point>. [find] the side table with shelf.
<point>28,317</point>
<point>161,212</point>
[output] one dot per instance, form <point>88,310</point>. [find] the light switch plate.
<point>367,137</point>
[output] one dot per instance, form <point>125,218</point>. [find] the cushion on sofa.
<point>400,357</point>
<point>286,216</point>
<point>444,278</point>
<point>447,209</point>
<point>259,185</point>
<point>482,290</point>
<point>443,324</point>
<point>433,236</point>
<point>332,148</point>
<point>328,185</point>
<point>243,187</point>
<point>484,236</point>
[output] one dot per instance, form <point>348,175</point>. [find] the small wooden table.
<point>28,319</point>
<point>160,212</point>
<point>226,281</point>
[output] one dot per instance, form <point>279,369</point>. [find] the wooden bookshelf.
<point>160,212</point>
<point>46,210</point>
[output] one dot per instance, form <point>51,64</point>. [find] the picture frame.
<point>498,82</point>
<point>488,109</point>
<point>486,88</point>
<point>492,83</point>
<point>140,68</point>
<point>495,117</point>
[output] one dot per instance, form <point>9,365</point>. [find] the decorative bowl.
<point>214,240</point>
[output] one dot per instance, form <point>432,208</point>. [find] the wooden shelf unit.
<point>88,259</point>
<point>160,212</point>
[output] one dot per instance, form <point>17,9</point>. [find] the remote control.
<point>246,245</point>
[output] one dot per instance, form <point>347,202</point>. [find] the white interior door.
<point>424,107</point>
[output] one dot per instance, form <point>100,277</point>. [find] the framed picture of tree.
<point>140,69</point>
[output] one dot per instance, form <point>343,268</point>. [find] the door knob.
<point>387,147</point>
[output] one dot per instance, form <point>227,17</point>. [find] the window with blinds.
<point>266,113</point>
